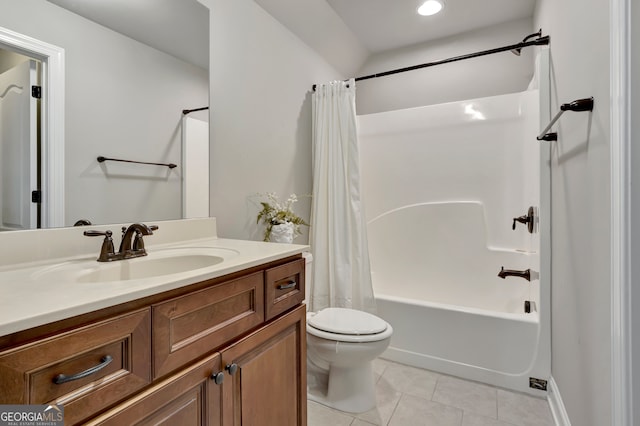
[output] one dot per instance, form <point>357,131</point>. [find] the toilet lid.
<point>347,321</point>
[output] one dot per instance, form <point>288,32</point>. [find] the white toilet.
<point>341,345</point>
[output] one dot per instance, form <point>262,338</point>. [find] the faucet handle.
<point>138,242</point>
<point>107,250</point>
<point>528,219</point>
<point>521,219</point>
<point>97,233</point>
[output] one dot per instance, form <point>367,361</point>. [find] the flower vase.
<point>282,233</point>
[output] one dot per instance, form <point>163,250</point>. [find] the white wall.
<point>473,78</point>
<point>309,20</point>
<point>579,31</point>
<point>109,80</point>
<point>261,78</point>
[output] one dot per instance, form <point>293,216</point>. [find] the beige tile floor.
<point>409,396</point>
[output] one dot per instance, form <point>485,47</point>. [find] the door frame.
<point>623,381</point>
<point>52,120</point>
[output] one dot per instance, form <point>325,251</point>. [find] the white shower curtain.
<point>341,269</point>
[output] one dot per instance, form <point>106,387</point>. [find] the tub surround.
<point>27,302</point>
<point>440,230</point>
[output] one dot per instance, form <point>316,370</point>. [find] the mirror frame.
<point>52,120</point>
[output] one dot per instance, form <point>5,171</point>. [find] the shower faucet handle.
<point>528,219</point>
<point>521,219</point>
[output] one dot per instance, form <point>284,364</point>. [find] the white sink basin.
<point>157,263</point>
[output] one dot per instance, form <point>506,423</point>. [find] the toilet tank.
<point>308,263</point>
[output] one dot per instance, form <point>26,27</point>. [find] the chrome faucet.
<point>526,274</point>
<point>132,244</point>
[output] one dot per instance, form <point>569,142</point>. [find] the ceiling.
<point>344,32</point>
<point>389,24</point>
<point>347,32</point>
<point>179,28</point>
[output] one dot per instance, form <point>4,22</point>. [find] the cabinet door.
<point>189,398</point>
<point>266,379</point>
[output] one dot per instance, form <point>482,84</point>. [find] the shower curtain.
<point>341,269</point>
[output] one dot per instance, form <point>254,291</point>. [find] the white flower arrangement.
<point>276,213</point>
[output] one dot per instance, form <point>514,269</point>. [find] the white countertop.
<point>27,301</point>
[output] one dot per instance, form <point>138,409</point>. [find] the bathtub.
<point>436,282</point>
<point>489,347</point>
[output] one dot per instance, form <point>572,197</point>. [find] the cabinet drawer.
<point>284,287</point>
<point>190,326</point>
<point>191,397</point>
<point>115,354</point>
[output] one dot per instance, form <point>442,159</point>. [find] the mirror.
<point>131,68</point>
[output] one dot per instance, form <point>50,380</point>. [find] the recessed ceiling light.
<point>430,7</point>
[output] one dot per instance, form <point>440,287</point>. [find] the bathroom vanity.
<point>218,345</point>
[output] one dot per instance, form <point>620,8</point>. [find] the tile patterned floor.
<point>409,396</point>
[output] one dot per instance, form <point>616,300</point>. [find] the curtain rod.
<point>513,47</point>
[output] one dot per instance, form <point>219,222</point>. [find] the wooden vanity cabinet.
<point>263,384</point>
<point>229,351</point>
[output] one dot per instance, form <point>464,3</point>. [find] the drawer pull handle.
<point>61,378</point>
<point>232,368</point>
<point>290,284</point>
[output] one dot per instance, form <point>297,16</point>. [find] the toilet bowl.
<point>341,345</point>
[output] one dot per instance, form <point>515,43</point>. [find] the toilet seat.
<point>347,321</point>
<point>348,325</point>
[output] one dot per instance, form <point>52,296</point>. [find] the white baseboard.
<point>560,416</point>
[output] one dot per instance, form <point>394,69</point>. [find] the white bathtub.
<point>490,347</point>
<point>436,282</point>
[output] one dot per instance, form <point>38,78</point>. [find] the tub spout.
<point>526,274</point>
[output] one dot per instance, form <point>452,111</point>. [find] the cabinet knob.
<point>218,377</point>
<point>232,368</point>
